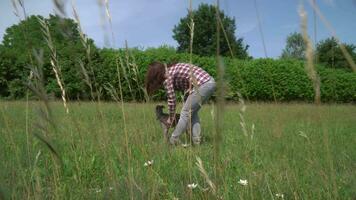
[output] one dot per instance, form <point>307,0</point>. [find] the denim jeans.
<point>193,105</point>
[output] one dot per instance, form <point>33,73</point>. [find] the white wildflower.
<point>148,163</point>
<point>98,190</point>
<point>243,182</point>
<point>280,195</point>
<point>111,188</point>
<point>185,145</point>
<point>192,186</point>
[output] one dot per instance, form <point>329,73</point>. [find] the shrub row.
<point>256,80</point>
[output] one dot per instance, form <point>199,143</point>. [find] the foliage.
<point>337,85</point>
<point>112,71</point>
<point>329,54</point>
<point>267,79</point>
<point>295,47</point>
<point>257,80</point>
<point>205,34</point>
<point>24,46</point>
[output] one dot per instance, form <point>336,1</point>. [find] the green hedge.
<point>256,80</point>
<point>269,80</point>
<point>286,80</point>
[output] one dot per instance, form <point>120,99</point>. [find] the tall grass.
<point>294,151</point>
<point>310,69</point>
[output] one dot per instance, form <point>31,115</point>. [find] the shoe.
<point>196,140</point>
<point>174,140</point>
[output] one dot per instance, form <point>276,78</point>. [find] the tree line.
<point>328,52</point>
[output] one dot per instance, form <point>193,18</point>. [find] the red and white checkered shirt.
<point>178,78</point>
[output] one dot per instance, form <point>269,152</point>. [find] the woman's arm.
<point>171,97</point>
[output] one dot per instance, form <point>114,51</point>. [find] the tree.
<point>4,62</point>
<point>329,53</point>
<point>205,34</point>
<point>295,47</point>
<point>21,41</point>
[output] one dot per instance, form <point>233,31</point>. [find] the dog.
<point>162,118</point>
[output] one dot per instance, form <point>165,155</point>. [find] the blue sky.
<point>149,23</point>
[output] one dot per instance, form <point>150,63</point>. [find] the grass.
<point>98,150</point>
<point>299,150</point>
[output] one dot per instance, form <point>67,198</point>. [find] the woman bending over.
<point>196,83</point>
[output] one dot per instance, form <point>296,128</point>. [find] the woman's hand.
<point>169,122</point>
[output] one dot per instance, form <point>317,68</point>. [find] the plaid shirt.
<point>178,78</point>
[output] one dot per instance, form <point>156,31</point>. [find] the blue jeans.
<point>193,105</point>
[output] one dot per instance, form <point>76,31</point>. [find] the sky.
<point>149,23</point>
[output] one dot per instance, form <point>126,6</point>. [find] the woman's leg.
<point>193,104</point>
<point>196,128</point>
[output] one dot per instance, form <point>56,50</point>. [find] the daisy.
<point>243,182</point>
<point>185,145</point>
<point>280,195</point>
<point>192,186</point>
<point>148,163</point>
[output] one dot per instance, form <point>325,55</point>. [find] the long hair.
<point>155,77</point>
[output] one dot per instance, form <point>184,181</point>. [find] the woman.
<point>193,81</point>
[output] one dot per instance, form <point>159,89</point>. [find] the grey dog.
<point>162,118</point>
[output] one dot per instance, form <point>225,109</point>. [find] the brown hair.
<point>155,77</point>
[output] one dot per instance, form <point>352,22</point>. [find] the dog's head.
<point>161,116</point>
<point>159,110</point>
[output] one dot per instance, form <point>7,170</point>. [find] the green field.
<point>299,150</point>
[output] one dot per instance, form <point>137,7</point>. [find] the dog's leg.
<point>165,131</point>
<point>166,134</point>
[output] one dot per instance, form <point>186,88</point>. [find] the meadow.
<point>101,151</point>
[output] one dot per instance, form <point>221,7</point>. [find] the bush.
<point>269,80</point>
<point>337,85</point>
<point>256,80</point>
